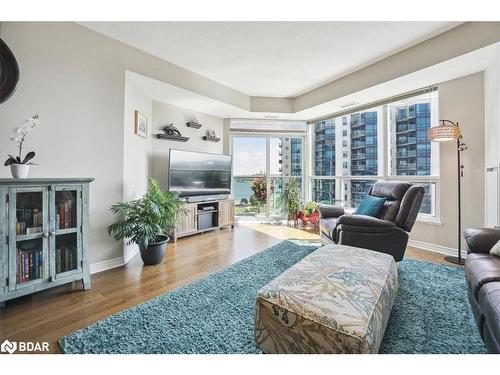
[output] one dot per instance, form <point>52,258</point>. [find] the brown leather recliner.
<point>482,272</point>
<point>388,232</point>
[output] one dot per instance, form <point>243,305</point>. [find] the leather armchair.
<point>388,232</point>
<point>482,272</point>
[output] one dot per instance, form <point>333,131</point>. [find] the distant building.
<point>290,157</point>
<point>364,154</point>
<point>324,152</point>
<point>410,145</point>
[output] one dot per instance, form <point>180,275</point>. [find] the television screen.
<point>197,173</point>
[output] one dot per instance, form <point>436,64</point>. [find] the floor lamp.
<point>448,131</point>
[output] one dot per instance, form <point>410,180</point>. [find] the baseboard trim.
<point>435,248</point>
<point>106,265</point>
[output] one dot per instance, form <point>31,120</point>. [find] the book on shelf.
<point>28,218</point>
<point>29,265</point>
<point>65,259</point>
<point>33,230</point>
<point>65,216</point>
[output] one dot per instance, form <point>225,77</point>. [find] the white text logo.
<point>8,347</point>
<point>23,346</point>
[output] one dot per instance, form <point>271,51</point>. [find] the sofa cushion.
<point>489,301</point>
<point>495,250</point>
<point>481,269</point>
<point>481,240</point>
<point>327,226</point>
<point>370,206</point>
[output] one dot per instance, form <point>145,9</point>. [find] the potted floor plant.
<point>147,222</point>
<point>310,214</point>
<point>291,197</point>
<point>19,165</point>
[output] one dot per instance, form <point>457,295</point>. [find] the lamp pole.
<point>459,190</point>
<point>450,132</point>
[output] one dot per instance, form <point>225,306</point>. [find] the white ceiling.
<point>463,65</point>
<point>278,59</point>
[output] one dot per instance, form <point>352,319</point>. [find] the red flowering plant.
<point>259,189</point>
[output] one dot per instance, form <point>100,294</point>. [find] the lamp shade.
<point>444,133</point>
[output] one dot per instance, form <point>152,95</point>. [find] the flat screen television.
<point>199,173</point>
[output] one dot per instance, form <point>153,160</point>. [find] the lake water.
<point>242,189</point>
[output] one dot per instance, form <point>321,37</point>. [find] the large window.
<point>262,166</point>
<point>349,153</point>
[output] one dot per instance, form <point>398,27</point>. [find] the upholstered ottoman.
<point>336,300</point>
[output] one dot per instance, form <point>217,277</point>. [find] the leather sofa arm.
<point>364,221</point>
<point>481,240</point>
<point>327,211</point>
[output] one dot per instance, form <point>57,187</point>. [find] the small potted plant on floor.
<point>290,198</point>
<point>19,165</point>
<point>310,214</point>
<point>147,222</point>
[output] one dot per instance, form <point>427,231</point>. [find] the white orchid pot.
<point>20,170</point>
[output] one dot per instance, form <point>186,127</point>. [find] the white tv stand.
<point>203,216</point>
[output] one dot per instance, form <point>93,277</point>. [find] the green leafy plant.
<point>143,220</point>
<point>291,196</point>
<point>310,208</point>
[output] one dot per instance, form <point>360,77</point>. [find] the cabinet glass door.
<point>66,234</point>
<point>28,236</point>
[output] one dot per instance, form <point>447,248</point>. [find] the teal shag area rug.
<point>214,315</point>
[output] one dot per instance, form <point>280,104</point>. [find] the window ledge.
<point>429,221</point>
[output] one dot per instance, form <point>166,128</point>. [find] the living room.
<point>247,187</point>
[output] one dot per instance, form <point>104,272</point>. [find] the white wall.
<point>460,100</point>
<point>165,114</point>
<point>71,78</point>
<point>492,138</point>
<point>136,150</point>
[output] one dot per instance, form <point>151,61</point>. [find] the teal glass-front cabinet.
<point>43,234</point>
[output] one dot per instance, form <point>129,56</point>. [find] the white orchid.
<point>18,136</point>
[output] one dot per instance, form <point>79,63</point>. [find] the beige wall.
<point>165,114</point>
<point>460,100</point>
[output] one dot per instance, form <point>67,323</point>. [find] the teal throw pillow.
<point>370,206</point>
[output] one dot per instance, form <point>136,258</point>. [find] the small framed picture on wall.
<point>141,125</point>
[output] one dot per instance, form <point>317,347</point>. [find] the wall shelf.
<point>177,138</point>
<point>211,139</point>
<point>192,124</point>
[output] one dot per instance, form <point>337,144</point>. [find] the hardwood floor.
<point>49,315</point>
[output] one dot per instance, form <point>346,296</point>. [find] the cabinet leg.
<point>2,305</point>
<point>86,283</point>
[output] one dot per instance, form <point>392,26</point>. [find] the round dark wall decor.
<point>9,72</point>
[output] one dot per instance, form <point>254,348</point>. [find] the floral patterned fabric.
<point>336,300</point>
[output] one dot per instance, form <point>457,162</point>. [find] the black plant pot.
<point>155,252</point>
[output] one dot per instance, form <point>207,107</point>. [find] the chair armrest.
<point>327,211</point>
<point>364,221</point>
<point>481,240</point>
